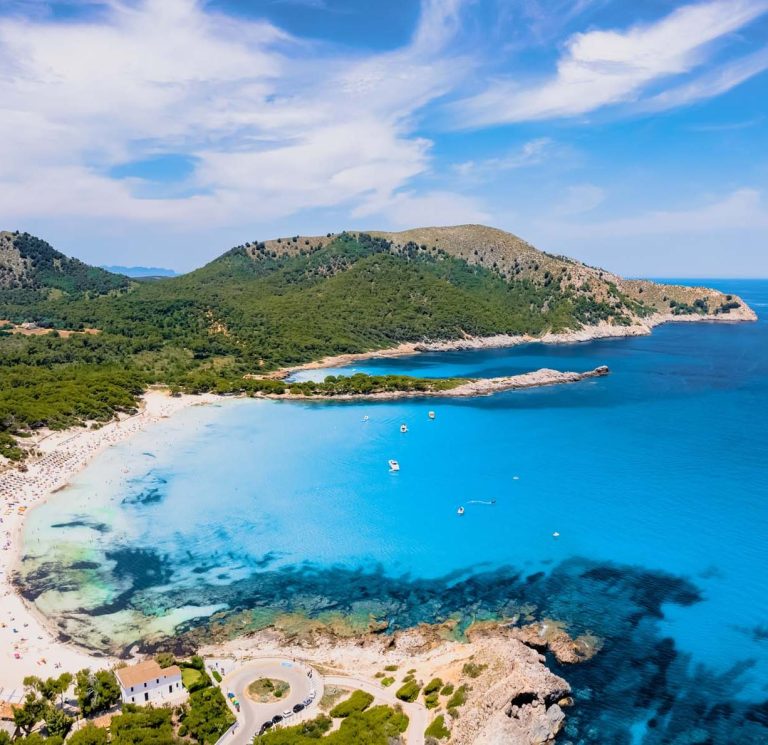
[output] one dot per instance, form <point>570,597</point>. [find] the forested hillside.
<point>31,270</point>
<point>264,305</point>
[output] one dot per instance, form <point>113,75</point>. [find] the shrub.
<point>459,698</point>
<point>216,675</point>
<point>434,685</point>
<point>358,701</point>
<point>391,668</point>
<point>197,662</point>
<point>409,691</point>
<point>209,716</point>
<point>432,701</point>
<point>386,682</point>
<point>473,670</point>
<point>89,735</point>
<point>165,659</point>
<point>437,729</point>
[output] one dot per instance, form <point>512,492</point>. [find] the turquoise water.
<point>654,477</point>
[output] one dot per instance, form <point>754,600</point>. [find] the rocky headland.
<point>510,695</point>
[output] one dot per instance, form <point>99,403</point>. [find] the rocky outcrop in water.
<point>551,635</point>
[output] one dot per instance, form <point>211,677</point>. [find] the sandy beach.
<point>27,646</point>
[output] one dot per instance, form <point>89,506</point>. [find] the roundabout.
<point>297,703</point>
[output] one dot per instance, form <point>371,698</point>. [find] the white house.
<point>148,683</point>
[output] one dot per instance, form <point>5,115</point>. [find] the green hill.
<point>264,305</point>
<point>32,270</point>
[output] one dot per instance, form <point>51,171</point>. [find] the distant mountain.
<point>141,271</point>
<point>31,269</point>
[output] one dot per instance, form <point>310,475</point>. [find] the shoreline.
<point>601,330</point>
<point>472,387</point>
<point>37,641</point>
<point>41,650</point>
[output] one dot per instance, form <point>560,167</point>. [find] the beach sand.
<point>27,645</point>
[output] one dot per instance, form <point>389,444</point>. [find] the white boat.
<point>365,418</point>
<point>403,428</point>
<point>555,534</point>
<point>460,511</point>
<point>431,415</point>
<point>394,465</point>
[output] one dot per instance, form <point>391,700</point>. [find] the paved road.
<point>252,715</point>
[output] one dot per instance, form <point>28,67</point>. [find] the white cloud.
<point>276,125</point>
<point>601,68</point>
<point>580,198</point>
<point>435,208</point>
<point>531,153</point>
<point>710,84</point>
<point>741,210</point>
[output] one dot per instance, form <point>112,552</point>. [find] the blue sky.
<point>628,135</point>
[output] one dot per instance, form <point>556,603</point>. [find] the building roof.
<point>145,672</point>
<point>6,710</point>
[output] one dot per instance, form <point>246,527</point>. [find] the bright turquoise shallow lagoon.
<point>655,478</point>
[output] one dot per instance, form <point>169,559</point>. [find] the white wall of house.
<point>156,690</point>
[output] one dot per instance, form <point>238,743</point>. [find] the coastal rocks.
<point>479,387</point>
<point>514,702</point>
<point>551,635</point>
<point>537,378</point>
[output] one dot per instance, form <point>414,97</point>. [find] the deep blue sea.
<point>654,477</point>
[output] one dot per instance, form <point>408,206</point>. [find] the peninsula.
<point>268,306</point>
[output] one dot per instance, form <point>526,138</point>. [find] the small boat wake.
<point>481,501</point>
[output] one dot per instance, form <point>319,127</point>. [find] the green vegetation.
<point>459,698</point>
<point>193,674</point>
<point>142,725</point>
<point>437,728</point>
<point>358,701</point>
<point>165,659</point>
<point>447,689</point>
<point>473,670</point>
<point>388,681</point>
<point>207,717</point>
<point>216,675</point>
<point>432,692</point>
<point>89,735</point>
<point>390,668</point>
<point>266,690</point>
<point>259,308</point>
<point>190,678</point>
<point>46,270</point>
<point>409,691</point>
<point>434,685</point>
<point>378,725</point>
<point>96,692</point>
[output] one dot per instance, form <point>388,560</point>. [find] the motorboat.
<point>365,418</point>
<point>460,511</point>
<point>394,465</point>
<point>403,428</point>
<point>431,415</point>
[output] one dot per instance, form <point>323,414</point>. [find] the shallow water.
<point>654,477</point>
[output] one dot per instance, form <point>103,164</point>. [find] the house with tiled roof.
<point>147,683</point>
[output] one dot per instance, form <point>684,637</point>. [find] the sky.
<point>630,135</point>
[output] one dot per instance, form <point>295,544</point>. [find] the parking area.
<point>300,703</point>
